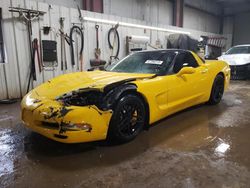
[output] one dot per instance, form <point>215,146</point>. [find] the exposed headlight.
<point>81,98</point>
<point>77,127</point>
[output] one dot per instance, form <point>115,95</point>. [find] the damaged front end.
<point>65,123</point>
<point>81,115</point>
<point>103,99</point>
<point>82,97</point>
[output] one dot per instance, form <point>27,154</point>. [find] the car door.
<point>188,89</point>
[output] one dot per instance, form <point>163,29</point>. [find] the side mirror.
<point>186,70</point>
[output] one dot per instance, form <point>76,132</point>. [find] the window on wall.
<point>2,55</point>
<point>2,49</point>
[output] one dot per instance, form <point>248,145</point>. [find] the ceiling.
<point>232,7</point>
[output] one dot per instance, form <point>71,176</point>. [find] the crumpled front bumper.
<point>67,124</point>
<point>240,72</point>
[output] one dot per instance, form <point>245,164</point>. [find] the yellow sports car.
<point>118,103</point>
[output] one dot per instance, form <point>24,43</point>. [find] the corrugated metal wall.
<point>150,11</point>
<point>14,75</point>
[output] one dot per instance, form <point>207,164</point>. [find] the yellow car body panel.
<point>172,93</point>
<point>164,95</point>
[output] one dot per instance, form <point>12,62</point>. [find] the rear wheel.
<point>217,90</point>
<point>128,119</point>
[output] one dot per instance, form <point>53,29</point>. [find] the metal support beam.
<point>93,5</point>
<point>86,5</point>
<point>178,13</point>
<point>97,6</point>
<point>233,33</point>
<point>221,22</point>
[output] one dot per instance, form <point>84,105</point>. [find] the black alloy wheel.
<point>128,119</point>
<point>217,90</point>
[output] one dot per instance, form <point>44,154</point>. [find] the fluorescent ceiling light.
<point>135,25</point>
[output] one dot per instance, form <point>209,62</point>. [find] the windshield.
<point>239,50</point>
<point>152,62</point>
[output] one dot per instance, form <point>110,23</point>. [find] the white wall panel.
<point>3,84</point>
<point>66,3</point>
<point>11,68</point>
<point>151,11</point>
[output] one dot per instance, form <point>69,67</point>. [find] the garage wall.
<point>66,3</point>
<point>242,29</point>
<point>161,12</point>
<point>228,25</point>
<point>198,20</point>
<point>205,5</point>
<point>14,74</point>
<point>150,11</point>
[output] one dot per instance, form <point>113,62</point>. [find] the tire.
<point>128,119</point>
<point>217,90</point>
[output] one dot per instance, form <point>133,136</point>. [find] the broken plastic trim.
<point>103,100</point>
<point>60,136</point>
<point>67,126</point>
<point>76,127</point>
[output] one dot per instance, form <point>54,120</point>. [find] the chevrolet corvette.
<point>130,95</point>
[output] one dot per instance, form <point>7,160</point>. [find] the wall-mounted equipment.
<point>114,45</point>
<point>64,37</point>
<point>79,31</point>
<point>97,63</point>
<point>49,50</point>
<point>213,46</point>
<point>29,15</point>
<point>181,41</point>
<point>136,43</point>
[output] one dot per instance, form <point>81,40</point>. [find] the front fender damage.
<point>68,124</point>
<point>79,116</point>
<point>104,98</point>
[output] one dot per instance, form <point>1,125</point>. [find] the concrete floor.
<point>205,146</point>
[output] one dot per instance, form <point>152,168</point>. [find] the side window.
<point>185,59</point>
<point>190,61</point>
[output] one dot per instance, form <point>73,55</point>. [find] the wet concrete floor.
<point>205,146</point>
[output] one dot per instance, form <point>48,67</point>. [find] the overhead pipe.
<point>126,24</point>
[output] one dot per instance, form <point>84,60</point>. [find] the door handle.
<point>204,71</point>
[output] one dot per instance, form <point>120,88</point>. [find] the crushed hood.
<point>74,81</point>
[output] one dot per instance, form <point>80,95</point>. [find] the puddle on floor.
<point>6,154</point>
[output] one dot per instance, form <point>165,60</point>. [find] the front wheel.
<point>128,119</point>
<point>217,90</point>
